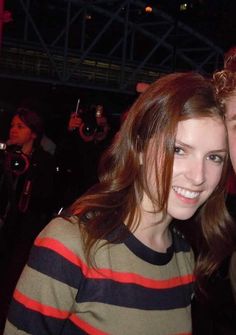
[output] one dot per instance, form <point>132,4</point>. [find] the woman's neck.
<point>153,226</point>
<point>153,231</point>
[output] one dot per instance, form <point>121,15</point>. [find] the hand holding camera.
<point>74,122</point>
<point>91,124</point>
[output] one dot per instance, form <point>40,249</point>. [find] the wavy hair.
<point>225,85</point>
<point>123,180</point>
<point>225,80</point>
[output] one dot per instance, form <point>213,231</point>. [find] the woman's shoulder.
<point>65,231</point>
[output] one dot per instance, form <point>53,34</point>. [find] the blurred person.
<point>26,195</point>
<point>225,82</point>
<point>78,153</point>
<point>34,176</point>
<point>42,110</point>
<point>114,263</point>
<point>217,314</point>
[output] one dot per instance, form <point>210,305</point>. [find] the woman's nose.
<point>196,172</point>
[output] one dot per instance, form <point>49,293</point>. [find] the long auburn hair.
<point>156,113</point>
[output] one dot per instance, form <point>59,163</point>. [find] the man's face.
<point>231,127</point>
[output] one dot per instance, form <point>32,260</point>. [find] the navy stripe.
<point>134,296</point>
<point>154,257</point>
<point>34,323</point>
<point>54,265</point>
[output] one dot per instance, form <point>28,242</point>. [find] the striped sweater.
<point>133,290</point>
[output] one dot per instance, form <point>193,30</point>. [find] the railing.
<point>105,73</point>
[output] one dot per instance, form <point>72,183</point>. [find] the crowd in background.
<point>40,176</point>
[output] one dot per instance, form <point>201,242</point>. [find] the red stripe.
<point>122,277</point>
<point>85,326</point>
<point>59,248</point>
<point>56,313</point>
<point>38,307</point>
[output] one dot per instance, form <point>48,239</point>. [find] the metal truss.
<point>107,45</point>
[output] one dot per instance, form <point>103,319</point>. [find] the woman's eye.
<point>178,151</point>
<point>216,158</point>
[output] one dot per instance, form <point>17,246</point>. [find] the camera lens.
<point>88,129</point>
<point>17,163</point>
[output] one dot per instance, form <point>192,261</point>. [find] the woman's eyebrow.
<point>183,144</point>
<point>219,150</point>
<point>191,147</point>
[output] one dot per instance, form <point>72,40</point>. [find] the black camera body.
<point>89,126</point>
<point>13,159</point>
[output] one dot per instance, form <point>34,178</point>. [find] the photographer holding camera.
<point>79,152</point>
<point>26,192</point>
<point>91,124</point>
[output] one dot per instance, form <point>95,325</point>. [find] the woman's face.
<point>20,133</point>
<point>200,150</point>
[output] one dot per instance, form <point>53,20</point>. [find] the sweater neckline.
<point>147,254</point>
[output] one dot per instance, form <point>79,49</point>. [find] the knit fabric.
<point>132,290</point>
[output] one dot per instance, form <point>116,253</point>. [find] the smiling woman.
<point>197,165</point>
<point>114,263</point>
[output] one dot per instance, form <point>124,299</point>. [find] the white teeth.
<point>185,193</point>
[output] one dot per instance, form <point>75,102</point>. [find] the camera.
<point>90,125</point>
<point>13,159</point>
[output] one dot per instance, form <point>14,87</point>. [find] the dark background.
<point>214,19</point>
